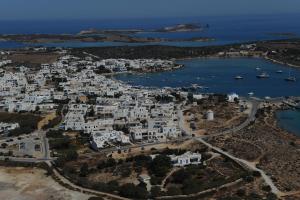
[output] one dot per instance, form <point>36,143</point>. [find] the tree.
<point>91,113</point>
<point>84,170</point>
<point>129,190</point>
<point>4,145</point>
<point>156,191</point>
<point>71,155</point>
<point>160,165</point>
<point>37,109</point>
<point>180,176</point>
<point>190,97</point>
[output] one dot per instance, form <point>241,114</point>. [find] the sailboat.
<point>290,78</point>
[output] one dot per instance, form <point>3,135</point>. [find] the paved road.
<point>251,117</point>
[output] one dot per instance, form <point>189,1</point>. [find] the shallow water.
<point>289,120</point>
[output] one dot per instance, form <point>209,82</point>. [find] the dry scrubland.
<point>33,184</point>
<point>272,149</point>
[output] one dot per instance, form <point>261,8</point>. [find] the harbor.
<point>216,75</point>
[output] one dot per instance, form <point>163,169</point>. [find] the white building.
<point>231,97</point>
<point>185,159</point>
<point>8,126</point>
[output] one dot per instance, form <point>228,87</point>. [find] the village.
<point>118,139</point>
<point>109,111</point>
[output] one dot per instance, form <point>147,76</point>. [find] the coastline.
<point>280,62</point>
<point>279,122</point>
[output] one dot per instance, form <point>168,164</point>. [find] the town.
<point>108,135</point>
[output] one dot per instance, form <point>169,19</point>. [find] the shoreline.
<point>279,122</point>
<point>282,63</point>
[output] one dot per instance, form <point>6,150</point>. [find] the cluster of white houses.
<point>121,65</point>
<point>4,127</point>
<point>111,112</point>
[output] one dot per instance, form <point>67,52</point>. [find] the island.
<point>64,115</point>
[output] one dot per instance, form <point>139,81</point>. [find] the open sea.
<point>225,29</point>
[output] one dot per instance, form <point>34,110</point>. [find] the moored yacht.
<point>263,75</point>
<point>290,78</point>
<point>238,77</point>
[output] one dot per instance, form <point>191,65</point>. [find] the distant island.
<point>109,35</point>
<point>182,28</point>
<point>285,34</point>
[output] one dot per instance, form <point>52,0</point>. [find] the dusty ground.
<point>225,116</point>
<point>46,120</point>
<point>32,184</point>
<point>35,58</point>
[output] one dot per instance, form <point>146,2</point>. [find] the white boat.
<point>267,98</point>
<point>257,68</point>
<point>263,75</point>
<point>251,93</point>
<point>238,77</point>
<point>279,71</point>
<point>291,78</point>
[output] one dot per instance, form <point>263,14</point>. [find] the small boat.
<point>195,86</point>
<point>279,71</point>
<point>257,68</point>
<point>290,78</point>
<point>251,93</point>
<point>263,75</point>
<point>238,77</point>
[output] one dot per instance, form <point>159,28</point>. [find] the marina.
<point>216,75</point>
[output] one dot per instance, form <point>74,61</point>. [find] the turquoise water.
<point>289,120</point>
<point>218,76</point>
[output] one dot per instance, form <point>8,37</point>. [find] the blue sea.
<point>289,120</point>
<point>225,29</point>
<point>218,76</point>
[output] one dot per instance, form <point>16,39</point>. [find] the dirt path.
<point>66,182</point>
<point>162,186</point>
<point>250,165</point>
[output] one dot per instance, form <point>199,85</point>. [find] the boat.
<point>263,75</point>
<point>195,86</point>
<point>251,93</point>
<point>290,78</point>
<point>238,77</point>
<point>279,71</point>
<point>267,98</point>
<point>257,68</point>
